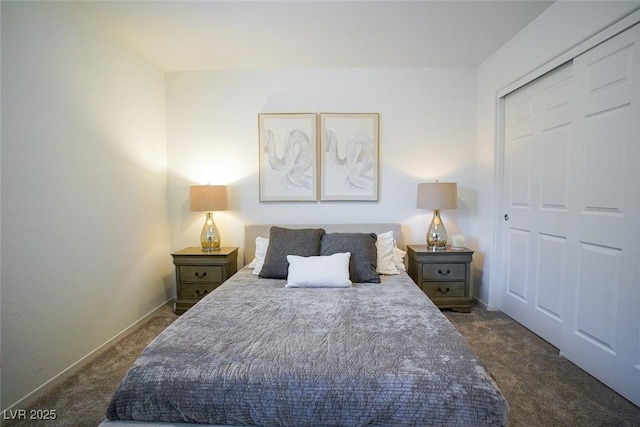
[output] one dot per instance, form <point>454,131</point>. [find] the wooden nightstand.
<point>445,276</point>
<point>198,273</point>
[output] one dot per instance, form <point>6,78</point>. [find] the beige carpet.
<point>542,388</point>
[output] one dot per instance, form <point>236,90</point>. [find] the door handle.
<point>506,217</point>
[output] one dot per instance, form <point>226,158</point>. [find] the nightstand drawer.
<point>195,291</point>
<point>201,273</point>
<point>444,289</point>
<point>444,272</point>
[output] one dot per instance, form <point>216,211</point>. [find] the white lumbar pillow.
<point>330,271</point>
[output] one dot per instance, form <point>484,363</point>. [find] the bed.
<point>258,352</point>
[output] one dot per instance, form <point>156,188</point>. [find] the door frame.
<point>496,268</point>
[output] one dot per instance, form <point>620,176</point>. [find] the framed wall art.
<point>288,157</point>
<point>349,156</point>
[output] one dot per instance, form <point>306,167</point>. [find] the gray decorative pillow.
<point>364,254</point>
<point>287,241</point>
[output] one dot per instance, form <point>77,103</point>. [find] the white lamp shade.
<point>437,195</point>
<point>208,198</point>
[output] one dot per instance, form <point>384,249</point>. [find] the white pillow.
<point>386,260</point>
<point>261,250</point>
<point>398,256</point>
<point>331,271</point>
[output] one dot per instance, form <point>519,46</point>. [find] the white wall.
<point>562,26</point>
<point>427,125</point>
<point>85,249</point>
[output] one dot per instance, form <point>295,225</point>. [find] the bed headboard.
<point>251,231</point>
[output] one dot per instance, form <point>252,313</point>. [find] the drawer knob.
<point>443,291</point>
<point>201,275</point>
<point>444,273</point>
<point>199,292</point>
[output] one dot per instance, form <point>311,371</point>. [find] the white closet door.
<point>571,248</point>
<point>537,134</point>
<point>602,301</point>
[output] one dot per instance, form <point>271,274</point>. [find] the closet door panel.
<point>605,145</point>
<point>598,295</point>
<point>537,135</point>
<point>554,185</point>
<point>552,259</point>
<point>602,303</point>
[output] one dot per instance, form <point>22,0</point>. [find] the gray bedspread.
<point>256,353</point>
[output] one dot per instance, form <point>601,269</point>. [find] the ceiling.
<point>191,35</point>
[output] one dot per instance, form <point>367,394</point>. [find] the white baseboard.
<point>481,303</point>
<point>75,367</point>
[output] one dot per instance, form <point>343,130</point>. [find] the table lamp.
<point>208,198</point>
<point>437,196</point>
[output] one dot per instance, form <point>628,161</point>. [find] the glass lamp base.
<point>436,233</point>
<point>209,237</point>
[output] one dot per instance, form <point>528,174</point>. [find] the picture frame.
<point>349,159</point>
<point>288,157</point>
